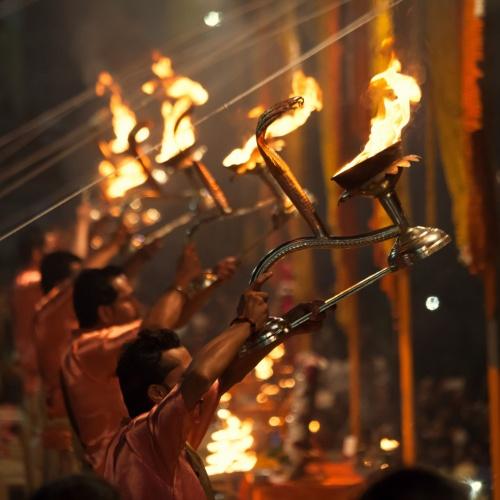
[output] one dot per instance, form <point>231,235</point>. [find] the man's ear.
<point>105,314</point>
<point>156,393</point>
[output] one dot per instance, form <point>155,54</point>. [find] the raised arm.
<point>80,245</point>
<point>213,359</point>
<point>241,366</point>
<point>106,253</point>
<point>178,304</point>
<point>224,271</point>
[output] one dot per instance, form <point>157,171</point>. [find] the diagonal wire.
<point>46,118</point>
<point>335,37</point>
<point>11,171</point>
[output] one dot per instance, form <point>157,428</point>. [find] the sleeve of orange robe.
<point>207,410</point>
<point>100,351</point>
<point>171,423</point>
<point>25,295</point>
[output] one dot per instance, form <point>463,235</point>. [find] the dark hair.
<point>415,483</point>
<point>33,239</point>
<point>94,288</point>
<point>56,267</point>
<point>77,487</point>
<point>140,365</point>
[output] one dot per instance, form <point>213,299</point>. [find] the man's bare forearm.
<point>240,367</point>
<point>212,361</point>
<point>167,311</point>
<point>103,256</point>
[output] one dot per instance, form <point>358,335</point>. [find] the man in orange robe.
<point>54,322</point>
<point>110,316</point>
<point>172,397</point>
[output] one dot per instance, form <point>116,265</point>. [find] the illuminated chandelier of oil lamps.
<point>373,173</point>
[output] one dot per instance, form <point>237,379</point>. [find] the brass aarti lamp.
<point>374,177</point>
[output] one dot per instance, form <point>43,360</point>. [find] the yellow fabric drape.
<point>443,31</point>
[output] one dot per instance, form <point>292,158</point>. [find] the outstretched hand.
<point>121,236</point>
<point>149,250</point>
<point>253,304</point>
<point>226,268</point>
<point>188,266</point>
<point>314,323</point>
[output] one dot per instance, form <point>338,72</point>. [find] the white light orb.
<point>213,18</point>
<point>432,303</point>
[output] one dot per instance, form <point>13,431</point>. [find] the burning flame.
<point>394,92</point>
<point>302,85</point>
<point>122,172</point>
<point>230,447</point>
<point>124,119</point>
<point>125,174</point>
<point>181,94</point>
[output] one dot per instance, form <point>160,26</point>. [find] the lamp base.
<point>417,243</point>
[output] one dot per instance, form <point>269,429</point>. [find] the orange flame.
<point>125,174</point>
<point>394,92</point>
<point>124,119</point>
<point>230,448</point>
<point>302,85</point>
<point>181,94</point>
<point>122,172</point>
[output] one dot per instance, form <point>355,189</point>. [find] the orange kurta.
<point>147,459</point>
<point>26,293</point>
<point>54,322</point>
<point>92,388</point>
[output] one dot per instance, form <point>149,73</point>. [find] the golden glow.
<point>393,94</point>
<point>28,277</point>
<point>261,398</point>
<point>302,85</point>
<point>181,94</point>
<point>226,397</point>
<point>160,175</point>
<point>314,426</point>
<point>96,242</point>
<point>142,134</point>
<point>149,88</point>
<point>275,421</point>
<point>122,173</point>
<point>132,219</point>
<point>270,389</point>
<point>123,118</point>
<point>136,204</point>
<point>95,214</point>
<point>387,444</point>
<point>230,447</point>
<point>178,130</point>
<point>264,368</point>
<point>223,414</point>
<point>277,353</point>
<point>287,383</point>
<point>126,174</point>
<point>151,216</point>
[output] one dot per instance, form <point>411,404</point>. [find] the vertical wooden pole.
<point>493,347</point>
<point>354,349</point>
<point>406,367</point>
